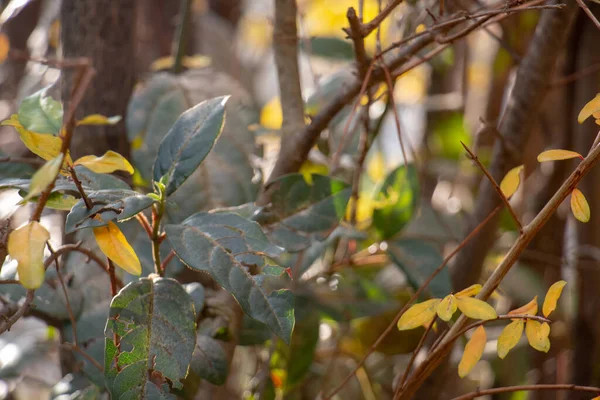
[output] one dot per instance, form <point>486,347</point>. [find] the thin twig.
<point>375,22</point>
<point>79,186</point>
<point>589,13</point>
<point>75,347</point>
<point>145,224</point>
<point>420,290</point>
<point>66,294</point>
<point>180,40</point>
<point>8,322</point>
<point>114,288</point>
<point>415,352</point>
<point>167,260</point>
<point>495,186</point>
<point>519,388</point>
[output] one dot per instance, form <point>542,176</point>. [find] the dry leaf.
<point>511,181</point>
<point>26,245</point>
<point>580,206</point>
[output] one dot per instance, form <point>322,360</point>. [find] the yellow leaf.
<point>530,308</point>
<point>114,245</point>
<point>580,206</point>
<point>418,315</point>
<point>473,352</point>
<point>420,28</point>
<point>98,119</point>
<point>510,337</point>
<point>271,115</point>
<point>376,167</point>
<point>590,108</point>
<point>109,162</point>
<point>552,297</point>
<point>364,209</point>
<point>308,168</point>
<point>557,154</point>
<point>446,308</point>
<point>471,291</point>
<point>511,181</point>
<point>44,177</point>
<point>162,63</point>
<point>195,62</point>
<point>475,308</point>
<point>26,245</point>
<point>537,335</point>
<point>4,47</point>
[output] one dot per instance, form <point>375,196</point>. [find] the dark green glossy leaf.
<point>399,195</point>
<point>209,360</point>
<point>302,212</point>
<point>188,142</point>
<point>40,113</point>
<point>418,259</point>
<point>154,320</point>
<point>234,251</point>
<point>253,332</point>
<point>109,204</point>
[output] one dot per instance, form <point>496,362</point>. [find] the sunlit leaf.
<point>446,308</point>
<point>580,206</point>
<point>590,108</point>
<point>40,113</point>
<point>108,163</point>
<point>26,245</point>
<point>557,154</point>
<point>537,335</point>
<point>44,177</point>
<point>552,297</point>
<point>475,308</point>
<point>45,146</point>
<point>510,337</point>
<point>309,168</point>
<point>376,167</point>
<point>530,308</point>
<point>98,119</point>
<point>511,181</point>
<point>115,246</point>
<point>4,47</point>
<point>471,291</point>
<point>418,315</point>
<point>473,352</point>
<point>271,115</point>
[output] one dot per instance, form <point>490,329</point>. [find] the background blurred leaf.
<point>40,113</point>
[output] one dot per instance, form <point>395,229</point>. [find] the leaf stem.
<point>157,214</point>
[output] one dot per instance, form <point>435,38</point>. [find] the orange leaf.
<point>419,314</point>
<point>552,297</point>
<point>4,47</point>
<point>530,308</point>
<point>590,108</point>
<point>557,154</point>
<point>473,352</point>
<point>446,308</point>
<point>537,334</point>
<point>580,206</point>
<point>510,337</point>
<point>471,291</point>
<point>475,308</point>
<point>511,181</point>
<point>115,246</point>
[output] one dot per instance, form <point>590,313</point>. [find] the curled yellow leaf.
<point>473,352</point>
<point>26,245</point>
<point>419,314</point>
<point>580,206</point>
<point>511,181</point>
<point>4,47</point>
<point>471,291</point>
<point>510,337</point>
<point>109,162</point>
<point>44,177</point>
<point>530,308</point>
<point>557,154</point>
<point>99,119</point>
<point>115,246</point>
<point>590,108</point>
<point>537,334</point>
<point>552,297</point>
<point>446,308</point>
<point>475,308</point>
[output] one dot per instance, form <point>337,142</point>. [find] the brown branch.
<point>434,359</point>
<point>519,388</point>
<point>530,88</point>
<point>114,288</point>
<point>79,186</point>
<point>420,290</point>
<point>10,321</point>
<point>495,185</point>
<point>590,14</point>
<point>375,22</point>
<point>362,60</point>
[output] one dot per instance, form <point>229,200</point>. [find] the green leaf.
<point>301,213</point>
<point>61,185</point>
<point>397,199</point>
<point>234,251</point>
<point>253,332</point>
<point>189,141</point>
<point>154,319</point>
<point>109,204</point>
<point>44,177</point>
<point>95,181</point>
<point>209,360</point>
<point>418,259</point>
<point>40,113</point>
